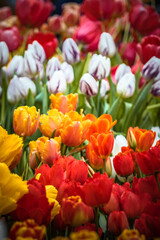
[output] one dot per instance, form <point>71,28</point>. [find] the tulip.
<point>18,88</point>
<point>11,36</point>
<point>104,88</point>
<point>113,203</point>
<point>25,120</point>
<point>16,66</point>
<point>123,164</point>
<point>50,122</point>
<point>121,71</point>
<point>32,65</point>
<point>143,18</point>
<point>117,222</point>
<point>57,82</point>
<point>95,161</point>
<point>68,72</point>
<point>52,66</point>
<point>126,85</point>
<point>27,228</point>
<point>131,234</point>
<point>64,103</point>
<point>144,138</point>
<point>149,47</point>
<point>10,184</point>
<point>4,54</point>
<point>97,190</point>
<point>88,85</point>
<point>11,148</point>
<point>33,13</point>
<point>56,24</point>
<point>99,66</point>
<point>106,46</point>
<point>88,33</point>
<point>37,51</point>
<point>47,40</point>
<point>155,89</point>
<point>70,13</point>
<point>151,70</point>
<point>70,51</point>
<point>119,141</point>
<point>128,52</point>
<point>5,12</point>
<point>74,212</point>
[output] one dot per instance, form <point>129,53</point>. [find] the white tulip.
<point>106,46</point>
<point>70,51</point>
<point>68,72</point>
<point>151,69</point>
<point>121,71</point>
<point>126,85</point>
<point>4,54</point>
<point>16,66</point>
<point>57,83</point>
<point>32,65</point>
<point>52,66</point>
<point>37,51</point>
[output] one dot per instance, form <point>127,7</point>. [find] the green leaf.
<point>115,107</point>
<point>102,222</point>
<point>30,98</point>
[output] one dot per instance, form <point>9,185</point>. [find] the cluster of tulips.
<point>79,125</point>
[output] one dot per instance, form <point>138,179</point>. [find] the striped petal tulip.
<point>25,120</point>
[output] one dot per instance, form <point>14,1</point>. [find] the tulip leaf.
<point>102,222</point>
<point>45,99</point>
<point>136,107</point>
<point>113,111</point>
<point>112,92</point>
<point>30,98</point>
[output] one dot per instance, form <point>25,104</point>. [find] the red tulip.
<point>149,47</point>
<point>128,53</point>
<point>5,12</point>
<point>88,33</point>
<point>34,204</point>
<point>11,36</point>
<point>113,204</point>
<point>149,161</point>
<point>123,163</point>
<point>33,12</point>
<point>144,19</point>
<point>47,40</point>
<point>98,9</point>
<point>97,190</point>
<point>117,222</point>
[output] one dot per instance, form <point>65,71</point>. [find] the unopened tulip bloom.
<point>32,65</point>
<point>11,148</point>
<point>99,66</point>
<point>27,228</point>
<point>70,51</point>
<point>126,85</point>
<point>121,71</point>
<point>25,120</point>
<point>18,88</point>
<point>56,24</point>
<point>155,89</point>
<point>64,103</point>
<point>57,83</point>
<point>106,46</point>
<point>117,222</point>
<point>16,66</point>
<point>4,54</point>
<point>37,51</point>
<point>151,69</point>
<point>68,72</point>
<point>52,66</point>
<point>88,85</point>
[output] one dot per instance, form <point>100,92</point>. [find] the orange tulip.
<point>64,103</point>
<point>95,161</point>
<point>102,144</point>
<point>50,122</point>
<point>100,125</point>
<point>47,150</point>
<point>142,139</point>
<point>73,129</point>
<point>25,120</point>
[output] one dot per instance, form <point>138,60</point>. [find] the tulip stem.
<point>104,166</point>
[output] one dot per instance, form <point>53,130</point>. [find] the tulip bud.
<point>32,65</point>
<point>16,66</point>
<point>88,85</point>
<point>152,69</point>
<point>52,66</point>
<point>4,54</point>
<point>131,139</point>
<point>121,71</point>
<point>37,51</point>
<point>104,88</point>
<point>117,222</point>
<point>55,24</point>
<point>70,51</point>
<point>19,87</point>
<point>68,72</point>
<point>57,83</point>
<point>126,85</point>
<point>155,89</point>
<point>99,66</point>
<point>106,46</point>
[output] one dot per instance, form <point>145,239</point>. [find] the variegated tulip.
<point>68,72</point>
<point>151,69</point>
<point>57,83</point>
<point>70,51</point>
<point>4,54</point>
<point>121,71</point>
<point>16,66</point>
<point>32,65</point>
<point>37,51</point>
<point>106,46</point>
<point>88,85</point>
<point>52,66</point>
<point>126,85</point>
